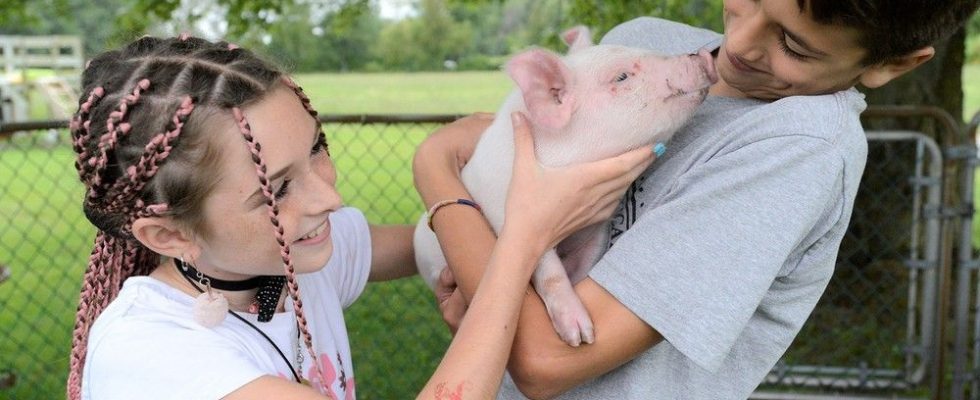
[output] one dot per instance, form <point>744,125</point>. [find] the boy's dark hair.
<point>893,28</point>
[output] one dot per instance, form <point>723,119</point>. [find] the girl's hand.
<point>451,302</point>
<point>548,204</point>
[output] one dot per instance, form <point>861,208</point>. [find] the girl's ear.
<point>163,237</point>
<point>880,74</point>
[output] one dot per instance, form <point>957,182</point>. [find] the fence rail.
<point>907,261</point>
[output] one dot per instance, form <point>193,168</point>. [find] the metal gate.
<point>879,327</point>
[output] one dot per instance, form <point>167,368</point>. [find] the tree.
<point>535,23</point>
<point>304,39</point>
<point>241,14</point>
<point>602,16</point>
<point>424,42</point>
<point>86,18</point>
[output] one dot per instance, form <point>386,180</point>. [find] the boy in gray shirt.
<point>722,248</point>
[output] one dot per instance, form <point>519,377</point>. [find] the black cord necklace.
<point>299,354</point>
<point>270,287</point>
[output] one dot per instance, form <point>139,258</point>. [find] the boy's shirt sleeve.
<point>696,265</point>
<point>665,37</point>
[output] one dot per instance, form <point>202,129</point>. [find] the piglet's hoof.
<point>572,322</point>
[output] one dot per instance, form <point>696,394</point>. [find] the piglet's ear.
<point>577,38</point>
<point>545,82</point>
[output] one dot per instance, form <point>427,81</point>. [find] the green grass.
<point>406,93</point>
<point>971,90</point>
<point>971,106</point>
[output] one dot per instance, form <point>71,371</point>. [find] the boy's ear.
<point>163,237</point>
<point>879,74</point>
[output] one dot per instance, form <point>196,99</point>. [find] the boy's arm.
<point>538,215</point>
<point>541,364</point>
<point>678,269</point>
<point>392,254</point>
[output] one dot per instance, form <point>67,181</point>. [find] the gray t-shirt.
<point>727,242</point>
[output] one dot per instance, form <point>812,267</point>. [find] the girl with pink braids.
<point>224,257</point>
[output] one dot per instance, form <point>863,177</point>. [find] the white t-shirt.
<point>147,345</point>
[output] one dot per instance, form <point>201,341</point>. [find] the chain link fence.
<point>873,327</point>
<point>877,330</point>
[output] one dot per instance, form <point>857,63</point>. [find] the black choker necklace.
<point>270,287</point>
<point>186,270</point>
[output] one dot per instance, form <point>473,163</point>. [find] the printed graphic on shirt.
<point>629,209</point>
<point>330,378</point>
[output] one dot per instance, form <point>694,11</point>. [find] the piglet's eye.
<point>622,77</point>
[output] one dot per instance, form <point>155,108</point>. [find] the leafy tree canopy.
<point>344,35</point>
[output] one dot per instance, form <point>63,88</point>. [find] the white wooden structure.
<point>18,53</point>
<point>60,53</point>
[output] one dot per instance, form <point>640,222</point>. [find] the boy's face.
<point>772,50</point>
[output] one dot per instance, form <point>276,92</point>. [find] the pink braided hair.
<point>291,286</point>
<point>79,127</point>
<point>154,153</point>
<point>114,259</point>
<point>114,127</point>
<point>306,102</point>
<point>118,197</point>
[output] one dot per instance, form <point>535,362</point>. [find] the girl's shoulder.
<point>148,335</point>
<point>145,309</point>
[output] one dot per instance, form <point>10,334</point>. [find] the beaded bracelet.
<point>441,204</point>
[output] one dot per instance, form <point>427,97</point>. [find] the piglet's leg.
<point>568,315</point>
<point>580,251</point>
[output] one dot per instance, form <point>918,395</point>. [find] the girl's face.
<point>302,178</point>
<point>772,50</point>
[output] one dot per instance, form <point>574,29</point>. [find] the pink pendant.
<point>210,309</point>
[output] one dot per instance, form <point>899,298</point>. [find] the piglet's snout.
<point>690,76</point>
<point>707,64</point>
<point>698,71</point>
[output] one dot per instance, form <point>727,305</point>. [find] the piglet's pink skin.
<point>594,103</point>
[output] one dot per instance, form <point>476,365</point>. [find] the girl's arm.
<point>392,254</point>
<point>274,387</point>
<point>544,205</point>
<point>541,364</point>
